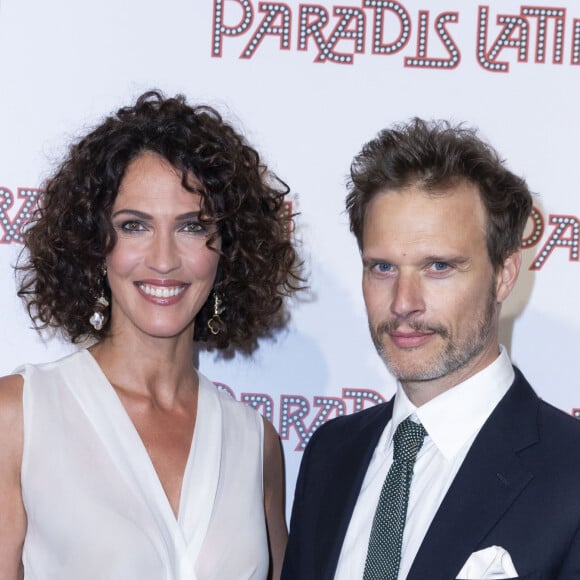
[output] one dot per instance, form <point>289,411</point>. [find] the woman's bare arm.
<point>274,499</point>
<point>12,514</point>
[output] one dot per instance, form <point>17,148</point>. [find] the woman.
<point>121,461</point>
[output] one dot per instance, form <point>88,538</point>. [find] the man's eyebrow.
<point>449,259</point>
<point>369,261</point>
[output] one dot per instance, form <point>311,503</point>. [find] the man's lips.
<point>410,339</point>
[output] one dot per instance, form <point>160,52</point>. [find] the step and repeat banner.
<point>308,84</point>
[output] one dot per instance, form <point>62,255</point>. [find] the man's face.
<point>430,289</point>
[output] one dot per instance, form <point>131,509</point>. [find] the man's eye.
<point>440,266</point>
<point>383,267</point>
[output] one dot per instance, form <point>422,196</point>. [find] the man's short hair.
<point>435,156</point>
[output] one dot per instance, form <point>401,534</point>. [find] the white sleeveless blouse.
<point>95,506</point>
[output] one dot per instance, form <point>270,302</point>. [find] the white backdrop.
<point>309,84</point>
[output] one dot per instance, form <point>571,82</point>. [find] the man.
<point>465,473</point>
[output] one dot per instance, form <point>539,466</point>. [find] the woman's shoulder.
<point>231,408</point>
<point>10,394</point>
<point>11,419</point>
<point>68,363</point>
<point>13,526</point>
<point>30,382</point>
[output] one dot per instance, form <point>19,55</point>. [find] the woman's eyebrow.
<point>146,216</point>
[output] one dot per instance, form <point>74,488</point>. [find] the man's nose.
<point>408,296</point>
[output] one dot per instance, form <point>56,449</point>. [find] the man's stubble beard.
<point>452,358</point>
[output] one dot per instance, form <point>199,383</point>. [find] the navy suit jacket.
<point>518,488</point>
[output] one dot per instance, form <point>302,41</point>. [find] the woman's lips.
<point>163,292</point>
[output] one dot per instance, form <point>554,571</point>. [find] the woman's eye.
<point>193,228</point>
<point>132,226</point>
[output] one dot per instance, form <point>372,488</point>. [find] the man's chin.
<point>406,371</point>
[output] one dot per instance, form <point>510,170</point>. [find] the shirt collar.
<point>454,417</point>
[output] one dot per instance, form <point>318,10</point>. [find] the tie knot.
<point>408,440</point>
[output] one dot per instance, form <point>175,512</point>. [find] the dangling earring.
<point>215,323</point>
<point>97,319</point>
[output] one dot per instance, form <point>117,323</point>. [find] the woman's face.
<point>160,270</point>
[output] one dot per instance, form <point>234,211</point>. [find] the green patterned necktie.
<point>384,552</point>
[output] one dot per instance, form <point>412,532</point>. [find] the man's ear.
<point>507,275</point>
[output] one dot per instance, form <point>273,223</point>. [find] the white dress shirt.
<point>452,421</point>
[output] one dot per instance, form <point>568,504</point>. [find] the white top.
<point>95,506</point>
<point>452,421</point>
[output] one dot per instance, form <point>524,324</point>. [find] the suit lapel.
<point>489,480</point>
<point>351,461</point>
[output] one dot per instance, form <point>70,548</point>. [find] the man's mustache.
<point>390,326</point>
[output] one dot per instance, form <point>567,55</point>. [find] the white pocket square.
<point>493,562</point>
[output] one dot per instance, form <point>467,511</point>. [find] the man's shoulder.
<point>555,445</point>
<point>557,422</point>
<point>339,428</point>
<point>550,418</point>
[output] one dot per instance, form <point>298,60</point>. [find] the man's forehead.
<point>460,192</point>
<point>415,216</point>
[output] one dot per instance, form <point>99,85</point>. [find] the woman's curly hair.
<point>71,234</point>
